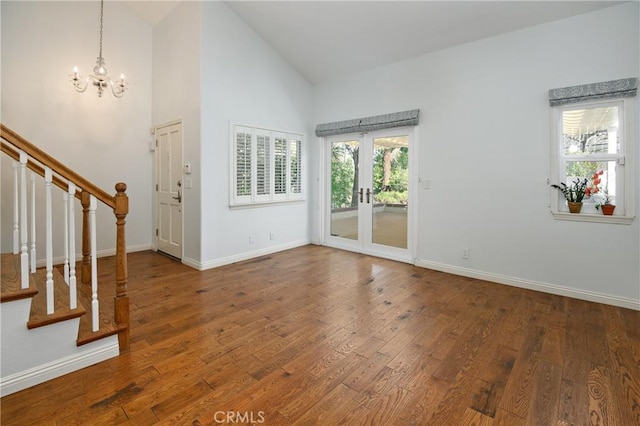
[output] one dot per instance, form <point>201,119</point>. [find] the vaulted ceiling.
<point>324,40</point>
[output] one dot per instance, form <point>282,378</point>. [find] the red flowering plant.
<point>600,196</point>
<point>595,181</point>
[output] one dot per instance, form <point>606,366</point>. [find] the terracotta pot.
<point>607,209</point>
<point>574,207</point>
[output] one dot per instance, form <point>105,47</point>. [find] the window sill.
<point>259,204</point>
<point>597,218</point>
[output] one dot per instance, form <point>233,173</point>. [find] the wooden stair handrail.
<point>7,149</point>
<point>119,203</point>
<point>48,161</point>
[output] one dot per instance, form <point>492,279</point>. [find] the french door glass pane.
<point>390,191</point>
<point>344,189</point>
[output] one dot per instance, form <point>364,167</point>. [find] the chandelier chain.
<point>101,17</point>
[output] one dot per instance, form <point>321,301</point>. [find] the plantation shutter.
<point>243,163</point>
<point>280,165</point>
<point>295,155</point>
<point>266,166</point>
<point>263,164</point>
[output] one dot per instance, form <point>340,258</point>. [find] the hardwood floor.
<point>317,336</point>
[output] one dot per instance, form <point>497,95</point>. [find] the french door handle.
<point>368,195</point>
<point>360,192</point>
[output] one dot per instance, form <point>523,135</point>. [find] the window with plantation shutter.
<point>266,166</point>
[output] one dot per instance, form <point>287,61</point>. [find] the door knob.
<point>179,197</point>
<point>368,195</point>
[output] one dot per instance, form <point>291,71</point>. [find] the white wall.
<point>104,139</point>
<point>176,95</point>
<point>246,82</point>
<point>484,132</point>
<point>484,143</point>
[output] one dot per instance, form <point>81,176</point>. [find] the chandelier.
<point>99,78</point>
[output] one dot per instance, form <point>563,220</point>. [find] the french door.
<point>368,193</point>
<point>169,189</point>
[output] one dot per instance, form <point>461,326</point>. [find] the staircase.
<point>52,321</point>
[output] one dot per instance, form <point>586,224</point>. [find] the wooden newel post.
<point>122,299</point>
<point>86,240</point>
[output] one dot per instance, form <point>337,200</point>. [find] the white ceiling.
<point>151,11</point>
<point>324,40</point>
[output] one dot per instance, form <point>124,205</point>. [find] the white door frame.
<point>407,255</point>
<point>156,176</point>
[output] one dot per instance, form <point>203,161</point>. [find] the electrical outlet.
<point>272,236</point>
<point>252,239</point>
<point>465,253</point>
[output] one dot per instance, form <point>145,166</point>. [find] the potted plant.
<point>606,205</point>
<point>573,193</point>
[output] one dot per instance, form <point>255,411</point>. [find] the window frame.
<point>625,214</point>
<point>274,137</point>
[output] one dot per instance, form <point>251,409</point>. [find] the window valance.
<point>386,121</point>
<point>623,88</point>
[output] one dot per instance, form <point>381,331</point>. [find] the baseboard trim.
<point>532,285</point>
<point>243,256</point>
<point>192,263</point>
<point>42,373</point>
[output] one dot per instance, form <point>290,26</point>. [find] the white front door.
<point>368,208</point>
<point>169,189</point>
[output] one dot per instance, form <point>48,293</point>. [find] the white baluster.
<point>16,210</point>
<point>94,264</point>
<point>65,209</point>
<point>24,256</point>
<point>32,254</point>
<point>48,178</point>
<point>72,247</point>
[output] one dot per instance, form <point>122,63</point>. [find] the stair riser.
<point>31,357</point>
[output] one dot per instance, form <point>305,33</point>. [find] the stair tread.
<point>38,316</point>
<point>10,279</point>
<point>107,325</point>
<point>62,311</point>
